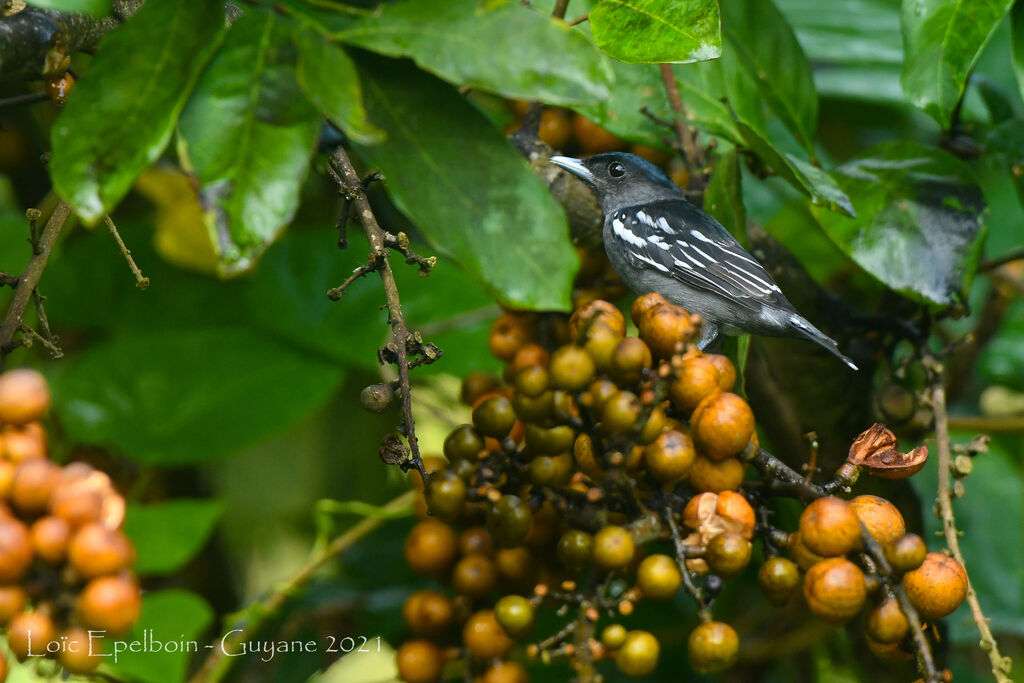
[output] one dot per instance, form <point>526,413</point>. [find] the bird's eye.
<point>616,170</point>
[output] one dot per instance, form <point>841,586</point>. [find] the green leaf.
<point>248,133</point>
<point>1004,149</point>
<point>190,396</point>
<point>469,43</point>
<point>1017,43</point>
<point>96,8</point>
<point>172,617</point>
<point>472,194</point>
<point>655,31</point>
<point>805,177</point>
<point>121,114</point>
<point>169,534</point>
<point>919,226</point>
<point>329,79</point>
<point>762,47</point>
<point>942,40</point>
<point>723,198</point>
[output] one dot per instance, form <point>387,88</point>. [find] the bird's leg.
<point>708,334</point>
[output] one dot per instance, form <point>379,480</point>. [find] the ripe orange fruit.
<point>830,527</point>
<point>722,425</point>
<point>883,521</point>
<point>110,603</point>
<point>419,661</point>
<point>666,329</point>
<point>24,396</point>
<point>592,138</point>
<point>835,589</point>
<point>696,379</point>
<point>937,587</point>
<point>483,636</point>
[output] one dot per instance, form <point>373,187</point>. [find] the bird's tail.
<point>808,331</point>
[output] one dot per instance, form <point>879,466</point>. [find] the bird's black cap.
<point>619,179</point>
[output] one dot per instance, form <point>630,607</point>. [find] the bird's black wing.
<point>680,240</point>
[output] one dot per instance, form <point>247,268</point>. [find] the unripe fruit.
<point>937,587</point>
<point>728,554</point>
<point>515,615</point>
<point>659,577</point>
<point>629,359</point>
<point>50,537</point>
<point>713,646</point>
<point>638,655</point>
<point>96,550</point>
<point>534,408</point>
<point>594,314</point>
<point>571,369</point>
<point>529,355</point>
<point>583,454</point>
<point>377,398</point>
<point>475,576</point>
<point>886,623</point>
<point>476,540</point>
<point>835,589</point>
<point>463,443</point>
<point>726,370</point>
<point>427,612</point>
<point>516,566</point>
<point>666,329</point>
<point>906,553</point>
<point>79,654</point>
<point>15,550</point>
<point>722,425</point>
<point>644,304</point>
<point>447,495</point>
<point>111,603</point>
<point>575,549</point>
<point>669,457</point>
<point>12,603</point>
<point>830,527</point>
<point>505,672</point>
<point>779,579</point>
<point>509,521</point>
<point>883,521</point>
<point>613,636</point>
<point>430,547</point>
<point>483,636</point>
<point>24,396</point>
<point>549,441</point>
<point>475,385</point>
<point>494,417</point>
<point>532,380</point>
<point>724,475</point>
<point>553,471</point>
<point>888,652</point>
<point>620,412</point>
<point>33,484</point>
<point>601,344</point>
<point>30,632</point>
<point>419,661</point>
<point>653,427</point>
<point>696,379</point>
<point>613,548</point>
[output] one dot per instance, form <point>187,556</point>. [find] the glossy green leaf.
<point>761,50</point>
<point>817,184</point>
<point>175,617</point>
<point>120,116</point>
<point>472,194</point>
<point>498,45</point>
<point>329,79</point>
<point>723,198</point>
<point>166,535</point>
<point>920,220</point>
<point>942,40</point>
<point>656,31</point>
<point>172,398</point>
<point>248,134</point>
<point>96,8</point>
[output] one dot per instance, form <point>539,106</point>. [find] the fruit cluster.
<point>64,563</point>
<point>608,469</point>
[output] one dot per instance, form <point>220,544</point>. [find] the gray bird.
<point>659,242</point>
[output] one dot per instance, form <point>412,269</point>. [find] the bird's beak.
<point>574,166</point>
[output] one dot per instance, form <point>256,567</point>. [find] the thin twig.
<point>703,605</point>
<point>992,264</point>
<point>218,664</point>
<point>27,98</point>
<point>348,181</point>
<point>937,390</point>
<point>30,278</point>
<point>141,281</point>
<point>986,423</point>
<point>55,351</point>
<point>578,20</point>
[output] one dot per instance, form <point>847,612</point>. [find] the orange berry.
<point>669,457</point>
<point>475,576</point>
<point>508,334</point>
<point>96,550</point>
<point>644,304</point>
<point>430,547</point>
<point>505,672</point>
<point>726,371</point>
<point>24,396</point>
<point>427,612</point>
<point>110,603</point>
<point>886,623</point>
<point>800,553</point>
<point>709,475</point>
<point>835,589</point>
<point>419,661</point>
<point>666,329</point>
<point>50,537</point>
<point>592,138</point>
<point>737,513</point>
<point>594,314</point>
<point>937,587</point>
<point>483,636</point>
<point>30,632</point>
<point>555,128</point>
<point>696,379</point>
<point>12,603</point>
<point>722,425</point>
<point>33,485</point>
<point>24,442</point>
<point>15,550</point>
<point>883,521</point>
<point>830,527</point>
<point>652,154</point>
<point>79,653</point>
